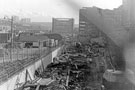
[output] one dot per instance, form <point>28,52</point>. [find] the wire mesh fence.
<point>20,60</point>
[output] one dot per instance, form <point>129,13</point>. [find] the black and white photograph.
<point>67,44</point>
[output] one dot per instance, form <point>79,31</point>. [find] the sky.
<point>44,10</point>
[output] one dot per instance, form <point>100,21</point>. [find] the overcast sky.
<point>44,10</point>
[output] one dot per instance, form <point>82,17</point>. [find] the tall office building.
<point>63,26</point>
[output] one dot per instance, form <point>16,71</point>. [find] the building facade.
<point>124,15</point>
<point>92,30</point>
<point>63,26</point>
<point>25,20</point>
<point>128,13</point>
<point>86,28</point>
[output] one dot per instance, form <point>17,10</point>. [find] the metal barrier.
<point>11,68</point>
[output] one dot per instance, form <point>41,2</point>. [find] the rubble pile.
<point>79,67</point>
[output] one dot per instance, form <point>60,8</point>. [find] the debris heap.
<point>79,67</point>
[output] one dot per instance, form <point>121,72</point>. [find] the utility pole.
<point>40,55</point>
<point>11,47</point>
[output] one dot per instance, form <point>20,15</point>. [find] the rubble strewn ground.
<point>81,67</point>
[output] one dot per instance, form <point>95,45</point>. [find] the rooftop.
<point>31,38</point>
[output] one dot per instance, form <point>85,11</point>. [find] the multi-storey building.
<point>90,28</point>
<point>63,26</point>
<point>128,13</point>
<point>25,20</point>
<point>86,28</point>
